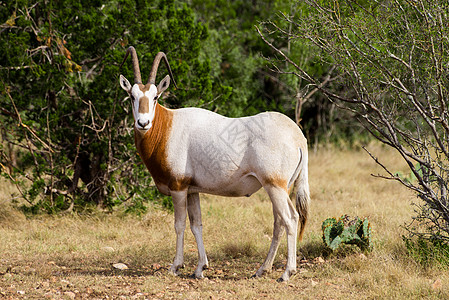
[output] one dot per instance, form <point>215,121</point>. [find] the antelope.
<point>191,150</point>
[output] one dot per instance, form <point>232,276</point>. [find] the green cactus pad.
<point>346,231</point>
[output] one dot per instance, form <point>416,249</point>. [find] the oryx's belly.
<point>244,186</point>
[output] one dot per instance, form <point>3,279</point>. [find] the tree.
<point>391,65</point>
<point>61,108</point>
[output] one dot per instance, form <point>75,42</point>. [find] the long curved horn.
<point>157,60</point>
<point>135,59</point>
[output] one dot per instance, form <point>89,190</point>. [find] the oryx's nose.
<point>142,125</point>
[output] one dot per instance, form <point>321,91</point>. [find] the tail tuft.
<point>302,193</point>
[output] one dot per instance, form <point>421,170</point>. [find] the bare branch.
<point>391,59</point>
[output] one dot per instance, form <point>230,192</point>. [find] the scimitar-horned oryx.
<point>191,150</point>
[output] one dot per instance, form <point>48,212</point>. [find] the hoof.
<point>286,276</point>
<point>199,272</point>
<point>174,270</point>
<point>197,276</point>
<point>261,272</point>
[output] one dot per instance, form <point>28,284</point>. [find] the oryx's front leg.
<point>180,207</point>
<point>194,209</point>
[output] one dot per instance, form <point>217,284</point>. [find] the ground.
<point>73,257</point>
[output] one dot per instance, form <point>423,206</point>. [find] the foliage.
<point>233,48</point>
<point>391,60</point>
<point>428,252</point>
<point>346,231</point>
<point>62,112</point>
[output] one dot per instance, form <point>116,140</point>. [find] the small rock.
<point>156,266</point>
<point>21,292</point>
<point>362,256</point>
<point>71,295</point>
<point>319,260</point>
<point>332,285</point>
<point>120,266</point>
<point>436,285</point>
<point>313,282</point>
<point>108,249</point>
<point>137,296</point>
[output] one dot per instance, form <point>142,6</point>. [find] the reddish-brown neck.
<point>152,145</point>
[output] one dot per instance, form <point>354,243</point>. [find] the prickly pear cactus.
<point>346,231</point>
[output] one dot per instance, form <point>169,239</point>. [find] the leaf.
<point>12,20</point>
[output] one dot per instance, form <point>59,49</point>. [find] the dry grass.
<point>71,256</point>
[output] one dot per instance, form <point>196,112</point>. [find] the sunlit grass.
<point>47,256</point>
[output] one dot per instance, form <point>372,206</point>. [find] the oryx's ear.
<point>163,85</point>
<point>124,83</point>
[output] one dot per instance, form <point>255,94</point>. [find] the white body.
<point>219,154</point>
<point>190,151</point>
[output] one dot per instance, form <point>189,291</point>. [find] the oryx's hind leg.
<point>194,209</point>
<point>278,231</point>
<point>286,216</point>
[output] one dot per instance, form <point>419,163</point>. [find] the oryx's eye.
<point>155,98</point>
<point>132,97</point>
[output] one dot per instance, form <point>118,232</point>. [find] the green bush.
<point>428,252</point>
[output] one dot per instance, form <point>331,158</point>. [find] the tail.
<point>302,191</point>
